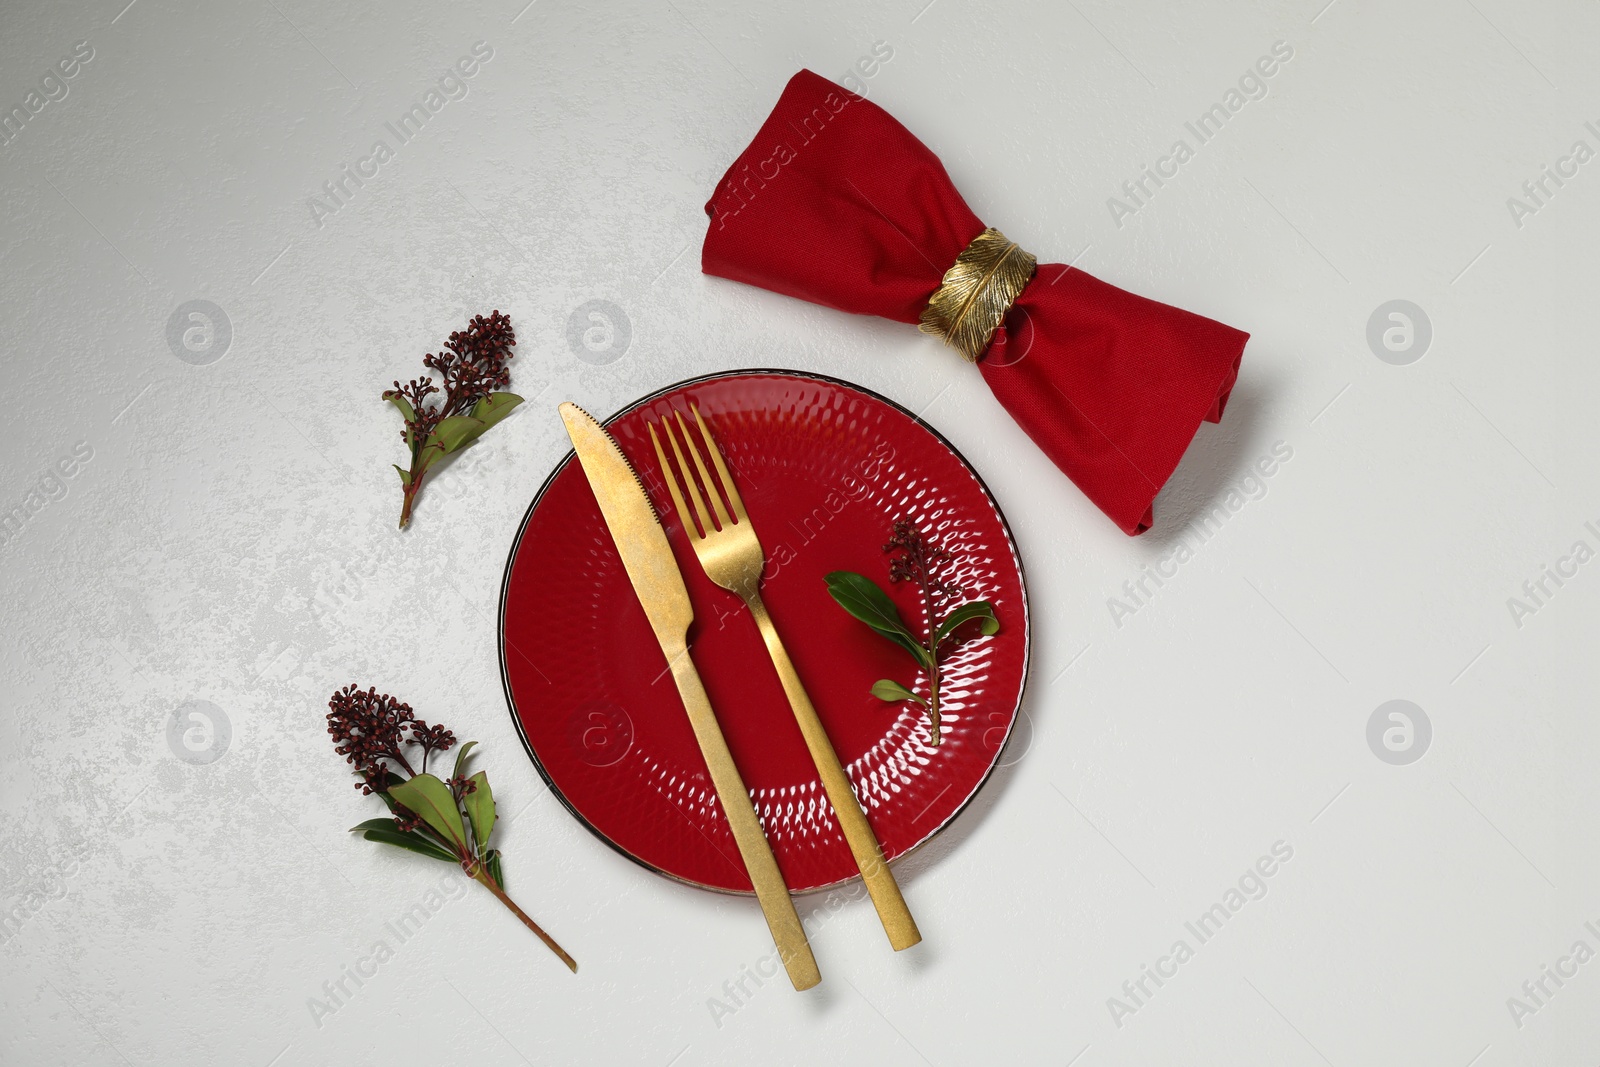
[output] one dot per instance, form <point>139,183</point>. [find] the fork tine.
<point>688,479</point>
<point>705,475</point>
<point>672,483</point>
<point>722,468</point>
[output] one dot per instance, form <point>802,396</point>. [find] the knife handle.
<point>771,890</point>
<point>885,891</point>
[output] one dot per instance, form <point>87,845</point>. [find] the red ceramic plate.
<point>824,468</point>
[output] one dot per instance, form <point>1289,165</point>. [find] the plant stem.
<point>484,878</point>
<point>933,657</point>
<point>410,491</point>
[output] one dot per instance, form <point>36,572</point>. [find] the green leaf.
<point>403,404</point>
<point>861,597</point>
<point>425,830</point>
<point>456,431</point>
<point>405,475</point>
<point>413,841</point>
<point>974,609</point>
<point>373,824</point>
<point>480,808</point>
<point>494,407</point>
<point>430,451</point>
<point>405,409</point>
<point>495,871</point>
<point>432,799</point>
<point>887,689</point>
<point>461,758</point>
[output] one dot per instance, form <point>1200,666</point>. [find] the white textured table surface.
<point>226,531</point>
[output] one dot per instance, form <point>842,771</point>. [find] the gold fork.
<point>732,557</point>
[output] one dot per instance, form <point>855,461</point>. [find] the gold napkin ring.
<point>976,293</point>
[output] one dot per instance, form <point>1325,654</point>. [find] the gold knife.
<point>651,567</point>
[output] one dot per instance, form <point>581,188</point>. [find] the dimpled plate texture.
<point>824,468</point>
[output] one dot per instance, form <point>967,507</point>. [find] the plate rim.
<point>561,465</point>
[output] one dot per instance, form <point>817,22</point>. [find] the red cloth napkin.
<point>837,203</point>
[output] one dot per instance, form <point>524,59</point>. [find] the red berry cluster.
<point>471,365</point>
<point>370,727</point>
<point>921,561</point>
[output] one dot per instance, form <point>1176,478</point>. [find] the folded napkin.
<point>837,203</point>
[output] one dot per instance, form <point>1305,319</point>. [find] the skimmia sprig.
<point>914,558</point>
<point>449,819</point>
<point>471,366</point>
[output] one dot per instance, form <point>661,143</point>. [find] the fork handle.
<point>771,890</point>
<point>885,891</point>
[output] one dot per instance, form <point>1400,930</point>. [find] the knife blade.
<point>653,570</point>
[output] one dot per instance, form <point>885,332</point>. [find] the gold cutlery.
<point>732,557</point>
<point>647,556</point>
